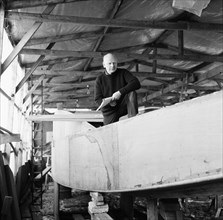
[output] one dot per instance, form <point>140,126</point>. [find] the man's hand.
<point>116,95</point>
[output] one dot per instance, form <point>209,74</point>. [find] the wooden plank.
<point>24,40</point>
<point>182,155</point>
<point>218,213</point>
<point>74,85</point>
<point>33,88</point>
<point>33,68</point>
<point>78,217</point>
<point>101,216</point>
<point>64,116</point>
<point>45,171</point>
<point>8,138</point>
<point>34,3</point>
<point>115,22</point>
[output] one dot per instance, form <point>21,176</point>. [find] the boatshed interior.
<point>51,53</point>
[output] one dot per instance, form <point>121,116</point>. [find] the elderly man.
<point>119,84</point>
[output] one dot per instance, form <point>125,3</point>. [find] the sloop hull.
<point>172,146</point>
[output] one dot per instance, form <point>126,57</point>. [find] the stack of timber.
<point>97,205</point>
<point>174,148</point>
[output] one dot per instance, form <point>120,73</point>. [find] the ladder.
<point>37,160</point>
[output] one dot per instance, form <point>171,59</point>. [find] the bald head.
<point>110,63</point>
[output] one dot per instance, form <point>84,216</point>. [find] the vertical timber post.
<point>56,201</point>
<point>126,205</point>
<point>152,210</point>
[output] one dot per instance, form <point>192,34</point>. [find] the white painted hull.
<point>176,145</point>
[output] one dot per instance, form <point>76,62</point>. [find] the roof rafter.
<point>24,40</point>
<point>34,3</point>
<point>86,54</point>
<point>214,72</point>
<point>181,25</point>
<point>100,39</point>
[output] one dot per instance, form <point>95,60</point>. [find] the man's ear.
<point>103,64</point>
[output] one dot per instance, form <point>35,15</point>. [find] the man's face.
<point>110,63</point>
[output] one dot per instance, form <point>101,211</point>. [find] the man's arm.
<point>132,83</point>
<point>98,96</point>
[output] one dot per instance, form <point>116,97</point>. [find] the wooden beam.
<point>24,40</point>
<point>181,25</point>
<point>149,46</point>
<point>8,138</point>
<point>28,105</point>
<point>68,37</point>
<point>115,9</point>
<point>60,38</point>
<point>35,3</point>
<point>100,216</point>
<point>154,61</point>
<point>74,85</point>
<point>152,209</point>
<point>64,99</point>
<point>181,42</point>
<point>203,88</point>
<point>94,54</point>
<point>44,172</point>
<point>77,116</point>
<point>126,204</point>
<point>69,105</point>
<point>202,77</point>
<point>56,204</point>
<point>33,68</point>
<point>163,36</point>
<point>162,67</point>
<point>6,130</point>
<point>33,88</point>
<point>49,62</point>
<point>87,74</point>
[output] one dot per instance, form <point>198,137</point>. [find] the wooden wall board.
<point>8,138</point>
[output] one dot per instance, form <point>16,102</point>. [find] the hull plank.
<point>172,146</point>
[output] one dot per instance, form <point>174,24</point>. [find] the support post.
<point>56,201</point>
<point>126,205</point>
<point>152,210</point>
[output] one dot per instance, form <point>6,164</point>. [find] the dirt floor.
<point>193,208</point>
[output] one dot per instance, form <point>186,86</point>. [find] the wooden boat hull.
<point>173,146</point>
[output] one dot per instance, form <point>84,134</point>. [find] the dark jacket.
<point>121,80</point>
